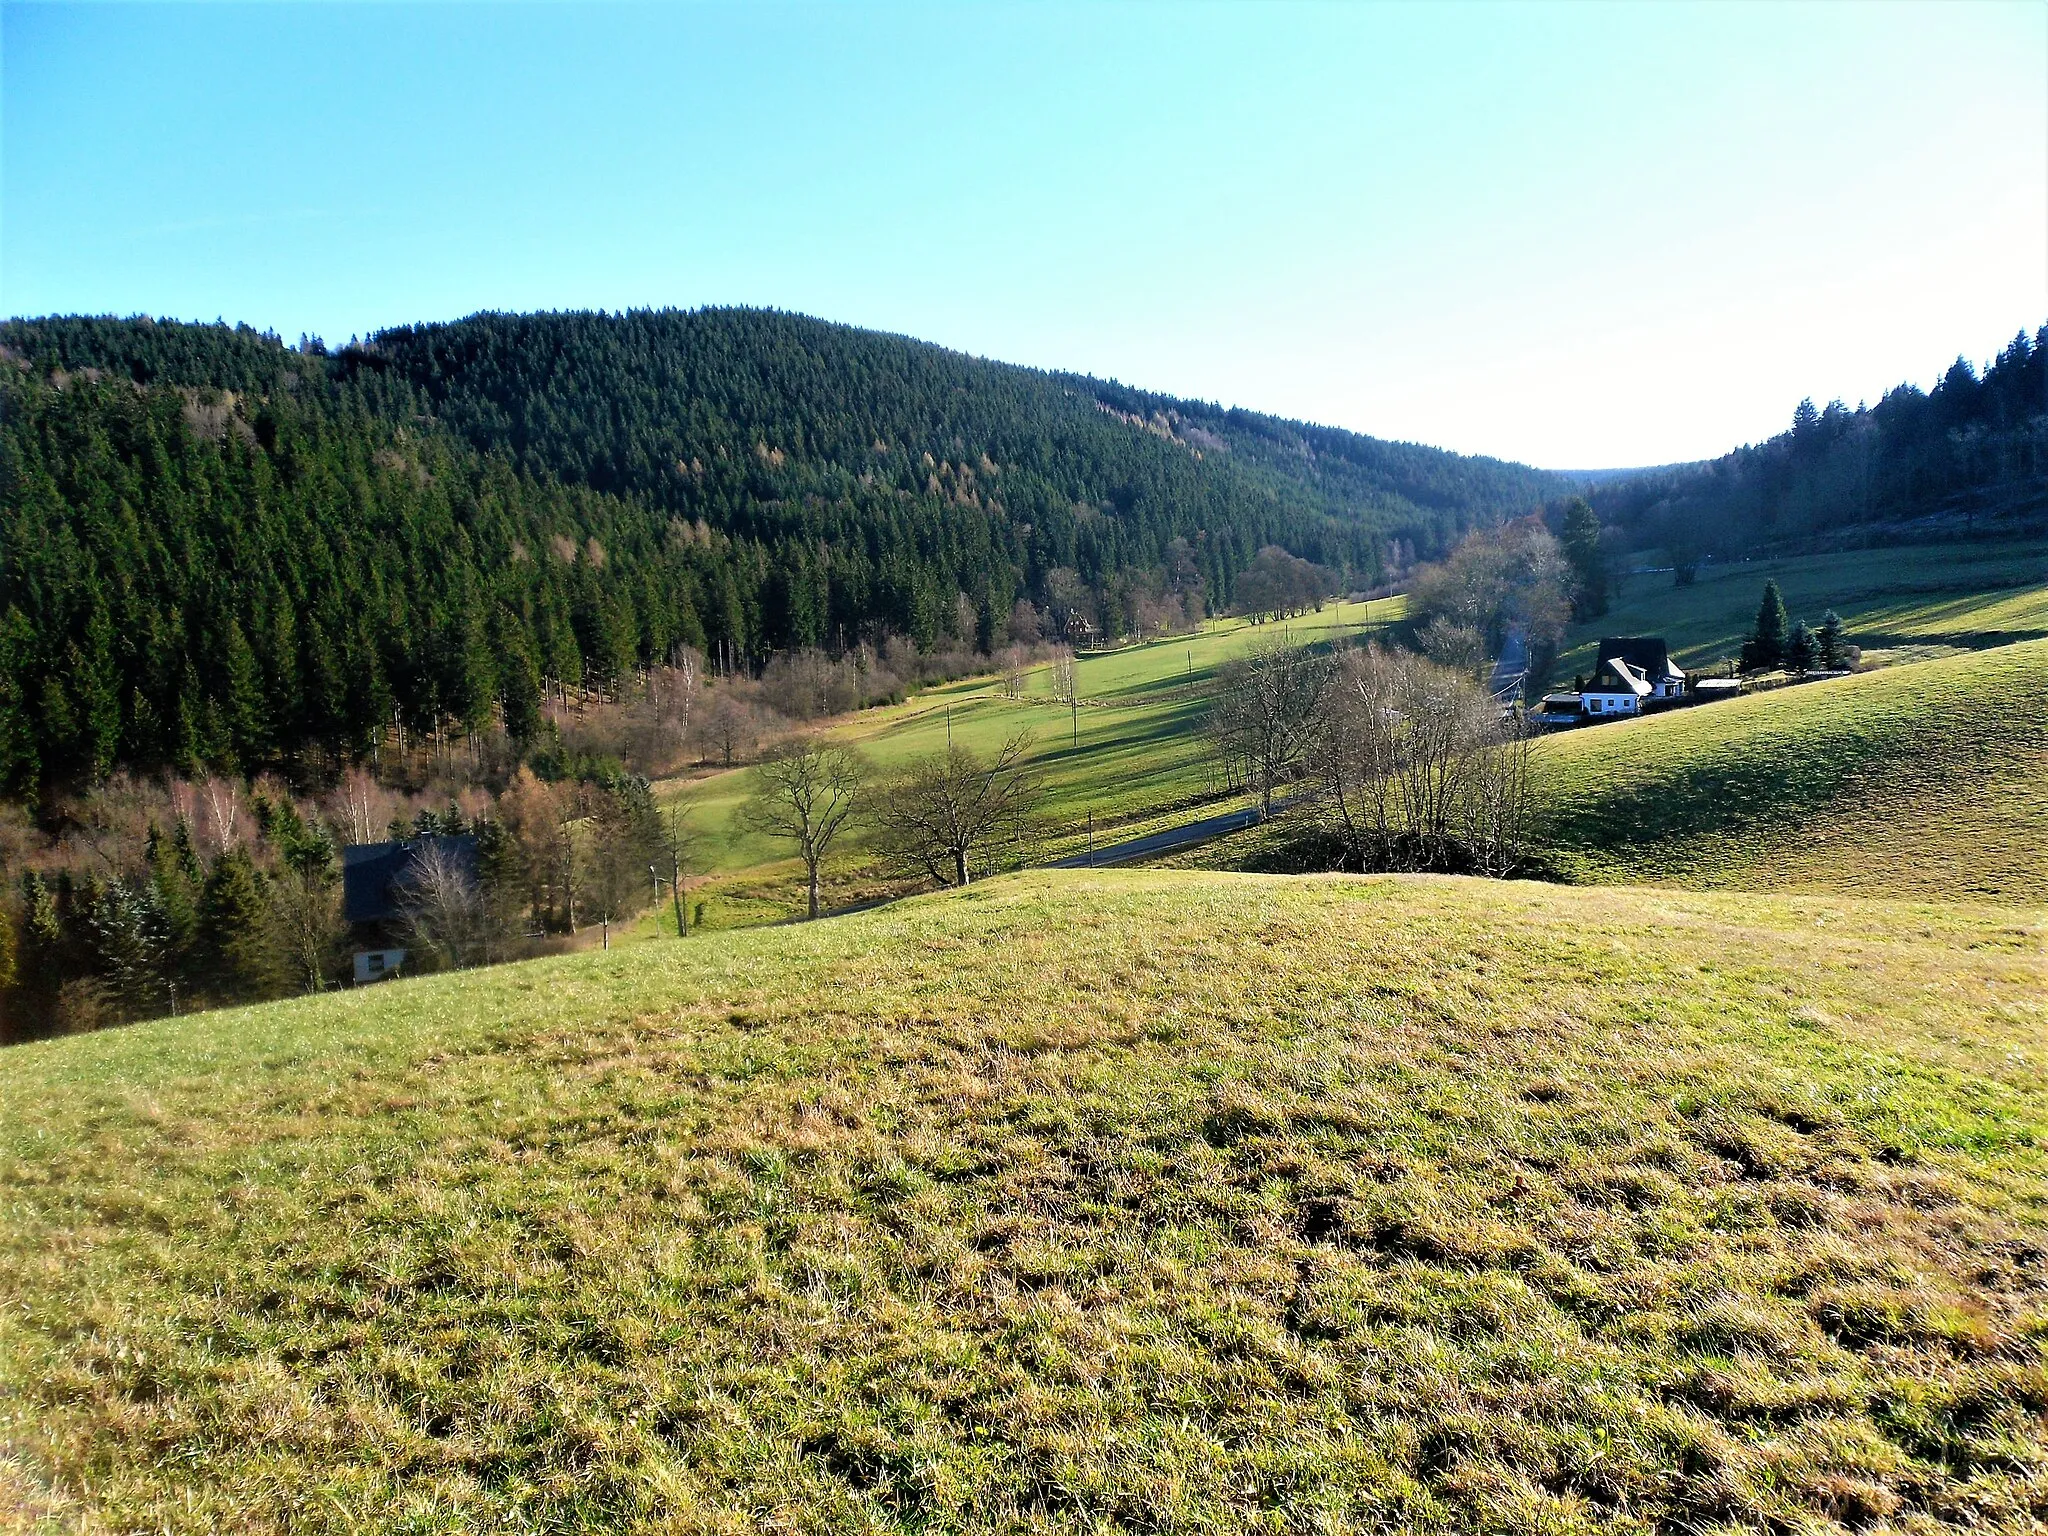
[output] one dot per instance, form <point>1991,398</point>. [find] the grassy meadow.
<point>1912,603</point>
<point>1130,755</point>
<point>1925,780</point>
<point>1143,1201</point>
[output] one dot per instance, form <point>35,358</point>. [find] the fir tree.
<point>1765,647</point>
<point>247,730</point>
<point>1831,642</point>
<point>39,964</point>
<point>1580,540</point>
<point>1800,650</point>
<point>239,959</point>
<point>21,766</point>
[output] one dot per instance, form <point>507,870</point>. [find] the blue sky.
<point>1579,236</point>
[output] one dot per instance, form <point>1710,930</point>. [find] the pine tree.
<point>239,959</point>
<point>1800,650</point>
<point>21,766</point>
<point>1580,540</point>
<point>1765,647</point>
<point>1831,642</point>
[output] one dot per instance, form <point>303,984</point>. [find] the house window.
<point>376,964</point>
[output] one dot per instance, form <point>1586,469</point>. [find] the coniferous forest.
<point>1966,458</point>
<point>221,552</point>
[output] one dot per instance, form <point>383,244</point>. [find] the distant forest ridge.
<point>217,550</point>
<point>1968,457</point>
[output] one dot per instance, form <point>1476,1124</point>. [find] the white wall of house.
<point>1612,704</point>
<point>377,964</point>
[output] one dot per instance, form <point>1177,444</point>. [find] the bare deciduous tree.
<point>807,791</point>
<point>1063,679</point>
<point>441,908</point>
<point>677,844</point>
<point>1265,714</point>
<point>948,810</point>
<point>731,726</point>
<point>307,915</point>
<point>1419,769</point>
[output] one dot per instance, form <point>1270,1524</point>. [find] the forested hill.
<point>216,550</point>
<point>1968,456</point>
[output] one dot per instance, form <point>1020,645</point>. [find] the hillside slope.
<point>1912,603</point>
<point>1927,780</point>
<point>1150,1201</point>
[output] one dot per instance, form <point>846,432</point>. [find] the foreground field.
<point>1913,603</point>
<point>1148,1201</point>
<point>1926,780</point>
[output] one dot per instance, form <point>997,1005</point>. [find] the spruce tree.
<point>248,730</point>
<point>1580,539</point>
<point>21,764</point>
<point>238,954</point>
<point>1800,650</point>
<point>39,964</point>
<point>1831,643</point>
<point>1765,647</point>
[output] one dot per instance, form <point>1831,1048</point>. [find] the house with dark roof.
<point>1650,658</point>
<point>1632,674</point>
<point>1615,688</point>
<point>375,878</point>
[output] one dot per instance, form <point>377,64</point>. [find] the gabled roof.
<point>1648,654</point>
<point>374,875</point>
<point>1626,679</point>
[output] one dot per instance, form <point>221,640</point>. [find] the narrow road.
<point>1185,835</point>
<point>1512,668</point>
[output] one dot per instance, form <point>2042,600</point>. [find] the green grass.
<point>1139,759</point>
<point>1907,604</point>
<point>1110,1201</point>
<point>1927,780</point>
<point>1129,755</point>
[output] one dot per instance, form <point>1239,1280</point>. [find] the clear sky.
<point>1580,236</point>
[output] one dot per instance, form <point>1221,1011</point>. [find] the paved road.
<point>1185,835</point>
<point>1182,836</point>
<point>1512,668</point>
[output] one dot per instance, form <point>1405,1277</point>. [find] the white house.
<point>1615,688</point>
<point>1651,659</point>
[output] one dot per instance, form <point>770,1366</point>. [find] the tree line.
<point>189,896</point>
<point>1972,451</point>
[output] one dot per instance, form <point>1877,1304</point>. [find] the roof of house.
<point>1648,654</point>
<point>374,875</point>
<point>1626,678</point>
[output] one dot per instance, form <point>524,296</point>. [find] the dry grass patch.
<point>1147,1201</point>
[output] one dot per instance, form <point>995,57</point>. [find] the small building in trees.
<point>377,885</point>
